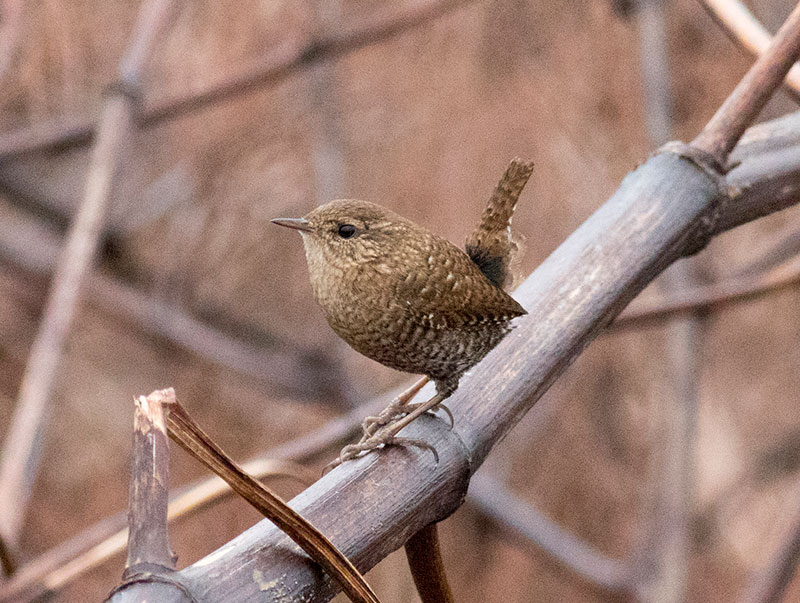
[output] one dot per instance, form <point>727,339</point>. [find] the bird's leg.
<point>386,435</point>
<point>389,431</point>
<point>444,389</point>
<point>397,407</point>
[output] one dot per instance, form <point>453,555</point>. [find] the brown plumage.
<point>492,246</point>
<point>410,299</point>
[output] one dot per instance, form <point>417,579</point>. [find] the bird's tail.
<point>492,246</point>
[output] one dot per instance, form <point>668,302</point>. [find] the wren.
<point>413,301</point>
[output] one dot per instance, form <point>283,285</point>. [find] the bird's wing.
<point>453,292</point>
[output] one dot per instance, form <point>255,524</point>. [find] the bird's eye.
<point>346,230</point>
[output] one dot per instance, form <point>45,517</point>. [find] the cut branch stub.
<point>148,540</point>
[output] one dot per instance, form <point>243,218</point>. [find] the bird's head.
<point>345,233</point>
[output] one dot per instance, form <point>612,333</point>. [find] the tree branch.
<point>751,94</point>
<point>148,538</point>
<point>151,563</point>
<point>745,30</point>
<point>710,297</point>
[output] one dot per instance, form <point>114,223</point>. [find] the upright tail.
<point>491,245</point>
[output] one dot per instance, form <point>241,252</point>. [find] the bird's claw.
<point>416,444</point>
<point>375,441</point>
<point>447,411</point>
<point>347,453</point>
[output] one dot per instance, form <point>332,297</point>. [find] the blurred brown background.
<point>423,122</point>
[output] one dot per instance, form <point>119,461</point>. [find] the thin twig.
<point>279,64</point>
<point>787,248</point>
<point>427,567</point>
<point>23,440</point>
<point>744,104</point>
<point>189,435</point>
<point>744,29</point>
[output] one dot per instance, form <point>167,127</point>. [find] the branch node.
<point>149,573</point>
<point>146,571</point>
<point>707,163</point>
<point>701,159</point>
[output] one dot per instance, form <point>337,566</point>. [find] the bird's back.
<point>436,313</point>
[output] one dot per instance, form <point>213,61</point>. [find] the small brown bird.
<point>409,299</point>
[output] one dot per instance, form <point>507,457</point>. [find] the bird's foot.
<point>396,409</point>
<point>384,437</point>
<point>387,434</point>
<point>372,424</point>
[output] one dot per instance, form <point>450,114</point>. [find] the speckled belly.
<point>442,354</point>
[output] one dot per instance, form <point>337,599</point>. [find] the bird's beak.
<point>296,223</point>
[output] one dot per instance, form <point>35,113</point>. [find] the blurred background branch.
<point>663,552</point>
<point>20,454</point>
<point>281,63</point>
